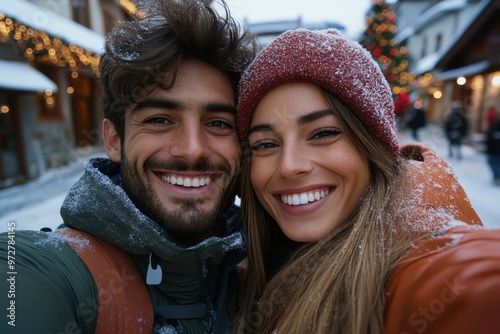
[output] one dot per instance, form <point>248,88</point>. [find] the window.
<point>439,41</point>
<point>81,12</point>
<point>424,47</point>
<point>49,102</point>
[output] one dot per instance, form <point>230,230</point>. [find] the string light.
<point>36,43</point>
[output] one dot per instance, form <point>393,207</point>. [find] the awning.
<point>41,18</point>
<point>464,71</point>
<point>17,75</point>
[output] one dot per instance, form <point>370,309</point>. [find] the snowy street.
<point>36,204</point>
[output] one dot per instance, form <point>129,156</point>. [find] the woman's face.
<point>305,169</point>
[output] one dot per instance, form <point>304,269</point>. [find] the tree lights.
<point>379,40</point>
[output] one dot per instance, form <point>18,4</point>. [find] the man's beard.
<point>188,218</point>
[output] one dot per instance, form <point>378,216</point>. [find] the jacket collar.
<point>97,204</point>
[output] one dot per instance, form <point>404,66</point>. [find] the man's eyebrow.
<point>157,103</point>
<point>219,107</point>
<point>178,106</point>
<point>311,117</point>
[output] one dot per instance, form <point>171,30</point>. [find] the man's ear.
<point>112,142</point>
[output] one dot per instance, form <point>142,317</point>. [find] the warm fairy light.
<point>52,49</point>
<point>437,94</point>
<point>495,81</point>
<point>461,81</point>
<point>70,90</point>
<point>4,109</point>
<point>131,8</point>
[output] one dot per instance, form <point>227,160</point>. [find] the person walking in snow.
<point>152,235</point>
<point>491,117</point>
<point>416,119</point>
<point>455,128</point>
<point>493,150</point>
<point>347,232</point>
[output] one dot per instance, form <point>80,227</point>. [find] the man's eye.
<point>158,120</point>
<point>220,124</point>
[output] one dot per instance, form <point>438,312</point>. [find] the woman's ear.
<point>112,141</point>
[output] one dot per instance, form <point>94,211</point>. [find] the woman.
<point>345,234</point>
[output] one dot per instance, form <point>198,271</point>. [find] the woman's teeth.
<point>187,181</point>
<point>303,198</point>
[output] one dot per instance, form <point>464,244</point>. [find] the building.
<point>266,32</point>
<point>49,96</point>
<point>455,49</point>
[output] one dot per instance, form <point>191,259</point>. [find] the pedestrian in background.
<point>491,117</point>
<point>455,127</point>
<point>416,118</point>
<point>493,150</point>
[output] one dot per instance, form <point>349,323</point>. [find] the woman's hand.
<point>435,185</point>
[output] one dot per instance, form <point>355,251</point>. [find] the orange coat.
<point>449,283</point>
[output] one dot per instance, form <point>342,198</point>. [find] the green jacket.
<point>56,293</point>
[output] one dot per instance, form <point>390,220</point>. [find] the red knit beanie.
<point>329,60</point>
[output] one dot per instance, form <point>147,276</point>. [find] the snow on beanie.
<point>329,60</point>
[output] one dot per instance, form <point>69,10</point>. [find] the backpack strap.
<point>124,302</point>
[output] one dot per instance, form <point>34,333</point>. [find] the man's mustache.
<point>182,166</point>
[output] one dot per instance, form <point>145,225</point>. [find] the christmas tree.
<point>379,39</point>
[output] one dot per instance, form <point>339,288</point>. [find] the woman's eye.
<point>260,146</point>
<point>324,133</point>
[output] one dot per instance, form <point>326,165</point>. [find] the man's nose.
<point>190,142</point>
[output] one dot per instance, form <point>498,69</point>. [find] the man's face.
<point>180,153</point>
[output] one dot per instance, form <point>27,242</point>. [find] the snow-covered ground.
<point>36,204</point>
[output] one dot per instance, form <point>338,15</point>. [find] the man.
<point>157,217</point>
<point>416,119</point>
<point>455,128</point>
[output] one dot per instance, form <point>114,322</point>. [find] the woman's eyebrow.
<point>311,117</point>
<point>260,128</point>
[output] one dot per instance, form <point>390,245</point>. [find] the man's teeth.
<point>194,182</point>
<point>304,198</point>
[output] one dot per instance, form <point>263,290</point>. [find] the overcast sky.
<point>349,13</point>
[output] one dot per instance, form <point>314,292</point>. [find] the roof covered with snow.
<point>56,25</point>
<point>17,75</point>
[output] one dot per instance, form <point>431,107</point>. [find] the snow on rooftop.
<point>440,9</point>
<point>427,63</point>
<point>41,18</point>
<point>17,75</point>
